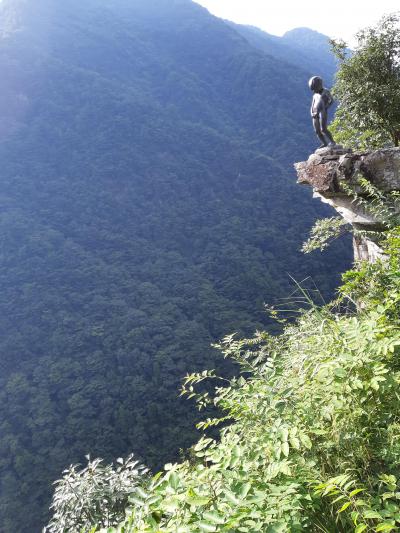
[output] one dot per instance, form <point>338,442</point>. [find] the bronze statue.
<point>321,101</point>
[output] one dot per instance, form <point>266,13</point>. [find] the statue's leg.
<point>317,129</point>
<point>324,129</point>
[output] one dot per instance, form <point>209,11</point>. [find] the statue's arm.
<point>314,107</point>
<point>329,98</point>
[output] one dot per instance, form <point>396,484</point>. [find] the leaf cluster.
<point>323,232</point>
<point>94,496</point>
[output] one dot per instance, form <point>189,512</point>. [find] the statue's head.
<point>316,84</point>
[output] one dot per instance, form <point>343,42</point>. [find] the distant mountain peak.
<point>306,37</point>
<point>303,31</point>
<point>306,48</point>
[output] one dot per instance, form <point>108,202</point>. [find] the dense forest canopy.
<point>149,207</point>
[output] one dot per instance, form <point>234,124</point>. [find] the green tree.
<point>368,87</point>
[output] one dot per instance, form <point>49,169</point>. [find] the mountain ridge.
<point>303,47</point>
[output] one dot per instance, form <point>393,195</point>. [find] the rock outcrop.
<point>334,172</point>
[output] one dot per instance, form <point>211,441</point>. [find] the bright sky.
<point>335,18</point>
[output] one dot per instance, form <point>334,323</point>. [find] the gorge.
<point>148,208</point>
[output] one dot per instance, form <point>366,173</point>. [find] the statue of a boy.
<point>321,101</point>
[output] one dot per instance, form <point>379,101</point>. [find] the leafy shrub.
<point>95,496</point>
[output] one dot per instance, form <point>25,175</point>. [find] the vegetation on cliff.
<point>311,427</point>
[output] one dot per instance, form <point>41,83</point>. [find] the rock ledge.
<point>331,171</point>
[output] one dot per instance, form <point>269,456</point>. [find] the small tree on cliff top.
<point>368,87</point>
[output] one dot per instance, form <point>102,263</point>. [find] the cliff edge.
<point>334,174</point>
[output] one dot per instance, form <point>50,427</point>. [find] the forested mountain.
<point>148,207</point>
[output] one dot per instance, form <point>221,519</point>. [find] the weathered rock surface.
<point>331,171</point>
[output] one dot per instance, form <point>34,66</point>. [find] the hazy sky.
<point>336,18</point>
